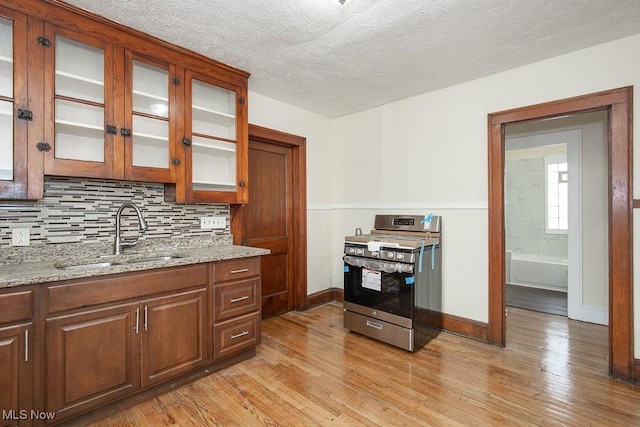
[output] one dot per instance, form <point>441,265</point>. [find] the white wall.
<point>427,154</point>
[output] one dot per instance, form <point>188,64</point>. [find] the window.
<point>557,194</point>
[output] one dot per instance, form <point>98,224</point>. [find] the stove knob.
<point>359,251</point>
<point>400,256</point>
<point>390,255</point>
<point>351,250</point>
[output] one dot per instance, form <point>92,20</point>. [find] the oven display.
<point>404,221</point>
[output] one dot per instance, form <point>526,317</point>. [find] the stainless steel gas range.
<point>393,280</point>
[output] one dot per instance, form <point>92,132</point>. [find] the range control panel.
<point>398,255</point>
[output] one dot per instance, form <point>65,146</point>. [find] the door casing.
<point>618,103</point>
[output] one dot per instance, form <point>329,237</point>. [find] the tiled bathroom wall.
<point>525,209</point>
<point>75,210</point>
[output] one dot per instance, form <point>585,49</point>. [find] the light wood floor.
<point>310,371</point>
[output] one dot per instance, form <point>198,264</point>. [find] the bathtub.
<point>537,271</point>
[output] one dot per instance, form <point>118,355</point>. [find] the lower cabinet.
<point>15,375</point>
<point>99,355</point>
<point>101,339</point>
<point>236,307</point>
<point>16,358</point>
<point>91,358</point>
<point>109,337</point>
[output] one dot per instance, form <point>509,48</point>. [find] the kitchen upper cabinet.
<point>216,152</point>
<point>80,92</point>
<point>81,96</point>
<point>16,115</point>
<point>109,110</point>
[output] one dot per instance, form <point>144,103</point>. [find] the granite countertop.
<point>28,266</point>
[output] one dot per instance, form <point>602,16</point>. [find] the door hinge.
<point>25,114</point>
<point>43,146</point>
<point>42,41</point>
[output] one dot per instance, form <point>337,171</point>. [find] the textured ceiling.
<point>337,59</point>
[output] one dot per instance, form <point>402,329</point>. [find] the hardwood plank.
<point>310,371</point>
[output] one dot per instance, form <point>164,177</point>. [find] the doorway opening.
<point>556,236</point>
<point>617,104</point>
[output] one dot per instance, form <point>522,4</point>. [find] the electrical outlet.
<point>218,222</point>
<point>20,237</point>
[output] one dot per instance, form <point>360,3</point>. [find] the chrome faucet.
<point>119,243</point>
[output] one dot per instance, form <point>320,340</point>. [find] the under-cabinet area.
<point>84,97</point>
<point>69,347</point>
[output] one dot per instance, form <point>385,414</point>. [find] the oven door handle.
<point>384,266</point>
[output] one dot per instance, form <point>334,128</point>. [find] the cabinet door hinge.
<point>43,146</point>
<point>175,81</point>
<point>25,114</point>
<point>42,41</point>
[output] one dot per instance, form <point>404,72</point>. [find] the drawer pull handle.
<point>145,318</point>
<point>240,298</point>
<point>26,345</point>
<point>242,270</point>
<point>137,320</point>
<point>374,325</point>
<point>241,334</point>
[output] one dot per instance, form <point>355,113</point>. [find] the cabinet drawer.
<point>236,298</point>
<point>16,306</point>
<point>236,269</point>
<point>235,335</point>
<point>87,292</point>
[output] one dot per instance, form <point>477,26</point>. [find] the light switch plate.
<point>216,222</point>
<point>20,237</point>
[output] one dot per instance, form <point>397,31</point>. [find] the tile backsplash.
<point>83,211</point>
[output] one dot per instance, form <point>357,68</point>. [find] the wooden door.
<point>92,358</point>
<point>267,222</point>
<point>172,330</point>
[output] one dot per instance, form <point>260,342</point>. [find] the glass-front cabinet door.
<point>79,113</point>
<point>14,112</point>
<point>216,145</point>
<point>149,120</point>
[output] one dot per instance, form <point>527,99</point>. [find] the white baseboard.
<point>595,314</point>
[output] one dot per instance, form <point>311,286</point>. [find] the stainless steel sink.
<point>154,259</point>
<point>87,266</point>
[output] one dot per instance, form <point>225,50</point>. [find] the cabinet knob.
<point>186,141</point>
<point>125,132</point>
<point>176,162</point>
<point>111,129</point>
<point>242,184</point>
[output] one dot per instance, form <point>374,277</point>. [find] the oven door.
<point>379,285</point>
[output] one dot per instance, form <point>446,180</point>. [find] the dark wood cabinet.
<point>172,335</point>
<point>236,307</point>
<point>110,337</point>
<point>20,125</point>
<point>91,359</point>
<point>106,101</point>
<point>16,358</point>
<point>69,347</point>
